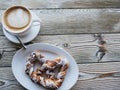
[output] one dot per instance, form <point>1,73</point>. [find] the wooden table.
<point>85,28</point>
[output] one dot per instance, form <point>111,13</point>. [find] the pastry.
<point>45,75</point>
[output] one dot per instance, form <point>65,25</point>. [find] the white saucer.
<point>29,36</point>
<point>50,52</point>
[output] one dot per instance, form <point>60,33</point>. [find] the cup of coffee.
<point>17,19</point>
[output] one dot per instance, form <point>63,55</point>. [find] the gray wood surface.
<point>72,25</point>
<point>62,3</point>
<point>96,76</point>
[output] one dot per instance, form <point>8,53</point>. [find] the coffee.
<point>16,18</point>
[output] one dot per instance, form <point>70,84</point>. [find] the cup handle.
<point>36,20</point>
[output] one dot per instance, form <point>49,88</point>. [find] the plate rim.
<point>48,45</point>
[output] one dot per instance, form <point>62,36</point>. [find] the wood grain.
<point>106,76</point>
<point>98,84</point>
<point>72,25</point>
<point>7,80</point>
<point>62,4</point>
<point>82,47</point>
<point>77,21</point>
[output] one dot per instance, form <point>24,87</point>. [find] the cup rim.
<point>19,31</point>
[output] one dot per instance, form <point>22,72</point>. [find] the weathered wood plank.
<point>98,84</point>
<point>82,47</point>
<point>62,4</point>
<point>7,80</point>
<point>77,21</point>
<point>98,77</point>
<point>107,76</point>
<point>98,68</point>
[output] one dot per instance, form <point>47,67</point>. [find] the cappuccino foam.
<point>17,18</point>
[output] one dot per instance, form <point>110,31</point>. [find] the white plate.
<point>50,51</point>
<point>29,35</point>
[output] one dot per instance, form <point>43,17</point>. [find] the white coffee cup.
<point>17,19</point>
